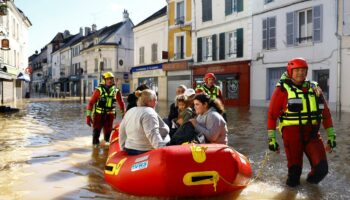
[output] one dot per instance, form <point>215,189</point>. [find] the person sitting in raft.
<point>209,121</point>
<point>132,99</point>
<point>142,129</point>
<point>185,112</point>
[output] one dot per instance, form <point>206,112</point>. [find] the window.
<point>233,6</point>
<point>154,52</point>
<point>231,44</point>
<point>268,1</point>
<point>206,10</point>
<point>180,13</point>
<point>304,26</point>
<point>96,65</point>
<point>179,47</point>
<point>141,55</point>
<point>231,51</point>
<point>207,48</point>
<point>269,33</point>
<point>274,75</point>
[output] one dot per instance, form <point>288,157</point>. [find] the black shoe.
<point>292,183</point>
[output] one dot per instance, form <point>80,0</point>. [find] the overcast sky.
<point>51,16</point>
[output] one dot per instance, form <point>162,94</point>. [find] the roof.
<point>154,16</point>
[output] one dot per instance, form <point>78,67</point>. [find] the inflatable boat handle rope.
<point>262,166</point>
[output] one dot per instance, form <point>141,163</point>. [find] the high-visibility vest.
<point>214,93</point>
<point>303,107</point>
<point>106,102</point>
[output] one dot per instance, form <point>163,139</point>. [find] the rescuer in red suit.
<point>300,107</point>
<point>102,105</point>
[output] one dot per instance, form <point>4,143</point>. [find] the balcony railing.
<point>304,39</point>
<point>180,20</point>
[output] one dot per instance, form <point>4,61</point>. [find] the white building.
<point>108,49</point>
<point>222,45</point>
<point>287,29</point>
<point>150,39</point>
<point>14,27</point>
<point>344,46</point>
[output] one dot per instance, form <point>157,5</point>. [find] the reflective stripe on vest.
<point>213,94</point>
<point>309,114</point>
<point>106,101</point>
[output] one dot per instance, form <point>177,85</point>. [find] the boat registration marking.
<point>139,166</point>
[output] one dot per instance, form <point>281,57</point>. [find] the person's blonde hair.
<point>145,96</point>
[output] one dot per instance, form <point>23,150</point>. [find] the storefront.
<point>233,79</point>
<point>151,75</point>
<point>178,73</point>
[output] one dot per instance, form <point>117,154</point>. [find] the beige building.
<point>13,59</point>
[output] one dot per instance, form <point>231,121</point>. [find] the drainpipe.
<point>339,63</point>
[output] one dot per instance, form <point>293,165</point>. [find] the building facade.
<point>285,30</point>
<point>222,45</point>
<point>14,27</point>
<point>180,52</point>
<point>150,40</point>
<point>344,47</point>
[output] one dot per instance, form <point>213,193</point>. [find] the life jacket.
<point>106,103</point>
<point>212,92</point>
<point>303,107</point>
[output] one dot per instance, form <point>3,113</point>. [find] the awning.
<point>23,76</point>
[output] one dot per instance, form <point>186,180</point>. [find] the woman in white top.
<point>142,129</point>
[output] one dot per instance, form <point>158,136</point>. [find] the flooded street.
<point>46,153</point>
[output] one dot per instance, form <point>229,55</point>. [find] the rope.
<point>263,165</point>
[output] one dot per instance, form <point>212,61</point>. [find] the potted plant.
<point>3,9</point>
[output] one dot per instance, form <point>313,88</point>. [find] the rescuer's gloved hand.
<point>273,145</point>
<point>331,137</point>
<point>88,120</point>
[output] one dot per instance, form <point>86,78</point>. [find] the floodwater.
<point>46,153</point>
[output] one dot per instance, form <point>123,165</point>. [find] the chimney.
<point>94,27</point>
<point>66,34</point>
<point>81,31</point>
<point>87,31</point>
<point>125,15</point>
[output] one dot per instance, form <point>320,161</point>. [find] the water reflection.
<point>46,153</point>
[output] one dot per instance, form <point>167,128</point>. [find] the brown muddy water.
<point>46,153</point>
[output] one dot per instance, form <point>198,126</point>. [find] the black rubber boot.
<point>294,173</point>
<point>320,171</point>
<point>96,137</point>
<point>107,136</point>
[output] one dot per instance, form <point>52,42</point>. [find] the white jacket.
<point>143,129</point>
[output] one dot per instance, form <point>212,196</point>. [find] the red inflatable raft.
<point>177,171</point>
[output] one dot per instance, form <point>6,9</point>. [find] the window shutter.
<point>228,7</point>
<point>264,34</point>
<point>290,29</point>
<point>209,10</point>
<point>222,46</point>
<point>214,46</point>
<point>272,33</point>
<point>199,49</point>
<point>240,43</point>
<point>317,23</point>
<point>206,10</point>
<point>239,5</point>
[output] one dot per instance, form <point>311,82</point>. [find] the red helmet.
<point>209,75</point>
<point>296,63</point>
